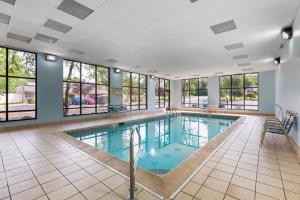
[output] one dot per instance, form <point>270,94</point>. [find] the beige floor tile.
<point>269,180</point>
<point>243,182</point>
<point>240,193</point>
<point>43,170</point>
<point>269,172</point>
<point>111,196</point>
<point>206,193</point>
<point>19,178</point>
<point>191,188</point>
<point>216,184</point>
<point>225,168</point>
<point>77,175</point>
<point>183,196</point>
<point>205,170</point>
<point>94,168</point>
<point>55,184</point>
<point>270,191</point>
<point>262,197</point>
<point>290,177</point>
<point>77,197</point>
<point>224,176</point>
<point>211,164</point>
<point>199,178</point>
<point>4,193</point>
<point>114,181</point>
<point>96,191</point>
<point>22,186</point>
<point>104,174</point>
<point>30,194</point>
<point>245,173</point>
<point>290,186</point>
<point>292,195</point>
<point>3,183</point>
<point>146,196</point>
<point>246,166</point>
<point>229,198</point>
<point>70,169</point>
<point>229,162</point>
<point>123,190</point>
<point>85,183</point>
<point>63,193</point>
<point>49,177</point>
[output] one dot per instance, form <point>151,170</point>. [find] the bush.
<point>31,100</point>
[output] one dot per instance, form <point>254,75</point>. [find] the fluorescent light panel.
<point>55,25</point>
<point>247,69</point>
<point>223,27</point>
<point>240,57</point>
<point>4,19</point>
<point>75,9</point>
<point>50,57</point>
<point>18,37</point>
<point>234,46</point>
<point>12,2</point>
<point>45,38</point>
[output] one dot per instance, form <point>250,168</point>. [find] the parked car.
<point>75,101</point>
<point>89,101</point>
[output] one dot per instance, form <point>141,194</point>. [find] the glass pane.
<point>251,107</point>
<point>69,112</point>
<point>167,84</point>
<point>21,115</point>
<point>203,82</point>
<point>156,83</point>
<point>238,96</point>
<point>225,99</point>
<point>251,96</point>
<point>21,63</point>
<point>167,99</point>
<point>2,61</point>
<point>126,95</point>
<point>143,81</point>
<point>251,80</point>
<point>238,107</point>
<point>21,94</point>
<point>71,71</point>
<point>143,107</point>
<point>203,97</point>
<point>186,97</point>
<point>194,98</point>
<point>88,110</point>
<point>102,75</point>
<point>143,97</point>
<point>102,109</point>
<point>186,85</point>
<point>2,94</point>
<point>2,116</point>
<point>225,82</point>
<point>194,83</point>
<point>237,81</point>
<point>126,79</point>
<point>161,83</point>
<point>135,98</point>
<point>71,95</point>
<point>102,95</point>
<point>88,98</point>
<point>88,73</point>
<point>135,80</point>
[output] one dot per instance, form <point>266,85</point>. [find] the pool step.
<point>159,171</point>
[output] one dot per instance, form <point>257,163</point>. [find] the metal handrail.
<point>133,162</point>
<point>281,110</point>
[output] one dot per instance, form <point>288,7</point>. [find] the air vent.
<point>75,9</point>
<point>281,46</point>
<point>45,38</point>
<point>4,19</point>
<point>195,75</point>
<point>240,57</point>
<point>111,60</point>
<point>234,46</point>
<point>192,1</point>
<point>20,38</point>
<point>223,27</point>
<point>219,73</point>
<point>247,69</point>
<point>55,25</point>
<point>12,2</point>
<point>153,71</point>
<point>76,52</point>
<point>244,64</point>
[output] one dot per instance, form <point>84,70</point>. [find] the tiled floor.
<point>34,164</point>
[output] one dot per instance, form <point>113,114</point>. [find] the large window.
<point>134,91</point>
<point>239,92</point>
<point>162,93</point>
<point>195,92</point>
<point>17,85</point>
<point>86,88</point>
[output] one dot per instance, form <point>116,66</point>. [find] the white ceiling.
<point>172,37</point>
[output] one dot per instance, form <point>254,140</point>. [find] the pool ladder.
<point>133,162</point>
<point>172,111</point>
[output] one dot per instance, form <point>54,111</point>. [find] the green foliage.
<point>31,100</point>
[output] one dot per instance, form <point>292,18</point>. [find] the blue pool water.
<point>166,141</point>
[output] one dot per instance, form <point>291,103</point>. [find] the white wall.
<point>267,91</point>
<point>213,90</point>
<point>175,89</point>
<point>288,77</point>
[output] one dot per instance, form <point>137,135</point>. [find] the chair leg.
<point>262,137</point>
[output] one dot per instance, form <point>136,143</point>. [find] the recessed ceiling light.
<point>111,60</point>
<point>18,37</point>
<point>240,57</point>
<point>287,33</point>
<point>76,52</point>
<point>75,9</point>
<point>247,69</point>
<point>277,61</point>
<point>55,25</point>
<point>281,46</point>
<point>12,2</point>
<point>223,27</point>
<point>152,77</point>
<point>234,46</point>
<point>117,70</point>
<point>244,64</point>
<point>45,38</point>
<point>4,19</point>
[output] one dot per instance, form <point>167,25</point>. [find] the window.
<point>239,92</point>
<point>86,88</point>
<point>134,91</point>
<point>162,93</point>
<point>17,85</point>
<point>195,92</point>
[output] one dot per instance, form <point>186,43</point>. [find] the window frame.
<point>183,90</point>
<point>7,76</point>
<point>164,92</point>
<point>80,82</point>
<point>231,88</point>
<point>131,87</point>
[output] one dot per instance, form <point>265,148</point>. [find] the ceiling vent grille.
<point>111,60</point>
<point>55,25</point>
<point>244,64</point>
<point>75,9</point>
<point>223,27</point>
<point>219,73</point>
<point>18,37</point>
<point>45,38</point>
<point>240,57</point>
<point>4,19</point>
<point>12,2</point>
<point>234,46</point>
<point>76,52</point>
<point>247,69</point>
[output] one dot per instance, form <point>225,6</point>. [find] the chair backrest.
<point>288,115</point>
<point>291,122</point>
